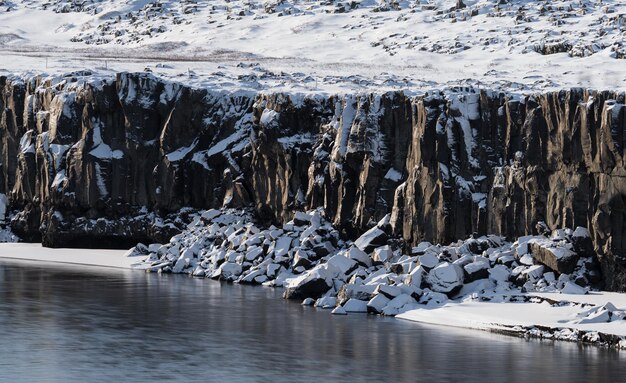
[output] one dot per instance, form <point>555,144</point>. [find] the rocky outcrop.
<point>84,158</point>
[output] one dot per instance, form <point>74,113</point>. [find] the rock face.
<point>105,161</point>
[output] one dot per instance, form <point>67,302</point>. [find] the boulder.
<point>323,249</point>
<point>351,291</point>
<point>326,302</point>
<point>312,284</point>
<point>283,244</point>
<point>415,277</point>
<point>301,258</point>
<point>342,263</point>
<point>446,278</point>
<point>582,243</point>
<point>382,254</point>
<point>376,304</point>
<point>557,258</point>
<point>388,291</point>
<point>428,261</point>
<point>371,239</point>
<point>355,306</point>
<point>499,274</point>
<point>572,288</point>
<point>360,256</point>
<point>476,270</point>
<point>339,311</point>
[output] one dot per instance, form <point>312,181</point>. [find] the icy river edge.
<point>503,289</point>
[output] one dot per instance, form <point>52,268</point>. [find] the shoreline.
<point>538,315</point>
<point>37,253</point>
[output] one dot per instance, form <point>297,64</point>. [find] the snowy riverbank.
<point>89,257</point>
<point>481,283</point>
<point>541,286</point>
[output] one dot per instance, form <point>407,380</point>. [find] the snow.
<point>88,257</point>
<point>355,306</point>
<point>511,316</point>
<point>180,153</point>
<point>393,175</point>
<point>222,145</point>
<point>100,149</point>
<point>302,46</point>
<point>268,116</point>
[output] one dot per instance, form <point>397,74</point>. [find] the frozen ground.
<point>325,46</point>
<point>541,318</point>
<point>91,257</point>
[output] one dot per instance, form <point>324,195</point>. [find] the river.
<point>61,323</point>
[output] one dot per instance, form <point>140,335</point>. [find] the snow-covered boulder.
<point>428,260</point>
<point>355,306</point>
<point>557,258</point>
<point>376,304</point>
<point>352,291</point>
<point>395,306</point>
<point>309,285</point>
<point>388,291</point>
<point>228,271</point>
<point>382,254</point>
<point>342,263</point>
<point>371,239</point>
<point>479,269</point>
<point>415,277</point>
<point>499,274</point>
<point>572,288</point>
<point>360,256</point>
<point>445,278</point>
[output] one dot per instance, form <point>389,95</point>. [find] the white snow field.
<point>88,257</point>
<point>325,46</point>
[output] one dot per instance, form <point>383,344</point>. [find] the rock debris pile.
<point>374,273</point>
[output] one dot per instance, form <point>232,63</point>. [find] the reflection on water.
<point>65,323</point>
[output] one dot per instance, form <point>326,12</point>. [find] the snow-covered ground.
<point>90,257</point>
<point>324,45</point>
<point>573,317</point>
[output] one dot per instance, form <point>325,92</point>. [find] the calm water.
<point>64,323</point>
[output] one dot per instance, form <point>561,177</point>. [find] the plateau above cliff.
<point>329,46</point>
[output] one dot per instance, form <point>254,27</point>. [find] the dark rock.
<point>311,288</point>
<point>583,245</point>
<point>475,271</point>
<point>301,258</point>
<point>323,249</point>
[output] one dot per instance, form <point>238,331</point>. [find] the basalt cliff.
<point>107,162</point>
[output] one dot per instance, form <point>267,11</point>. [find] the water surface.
<point>71,323</point>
